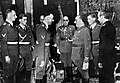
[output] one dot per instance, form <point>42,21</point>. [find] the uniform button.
<point>97,50</point>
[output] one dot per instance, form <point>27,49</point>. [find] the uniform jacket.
<point>63,34</point>
<point>41,51</point>
<point>82,40</point>
<point>81,47</point>
<point>95,37</point>
<point>25,35</point>
<point>107,42</point>
<point>8,33</point>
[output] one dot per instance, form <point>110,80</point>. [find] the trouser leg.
<point>27,76</point>
<point>39,81</point>
<point>20,76</point>
<point>69,73</point>
<point>9,79</point>
<point>85,80</point>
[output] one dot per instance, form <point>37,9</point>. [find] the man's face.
<point>78,21</point>
<point>23,21</point>
<point>91,20</point>
<point>12,15</point>
<point>100,17</point>
<point>65,21</point>
<point>50,19</point>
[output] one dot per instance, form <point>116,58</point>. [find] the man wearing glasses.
<point>63,37</point>
<point>26,42</point>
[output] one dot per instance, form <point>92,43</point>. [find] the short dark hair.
<point>22,15</point>
<point>93,15</point>
<point>84,19</point>
<point>8,11</point>
<point>14,7</point>
<point>106,14</point>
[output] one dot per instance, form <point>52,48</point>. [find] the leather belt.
<point>24,43</point>
<point>95,42</point>
<point>14,43</point>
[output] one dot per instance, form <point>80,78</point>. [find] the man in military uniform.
<point>9,47</point>
<point>95,30</point>
<point>41,51</point>
<point>26,43</point>
<point>63,37</point>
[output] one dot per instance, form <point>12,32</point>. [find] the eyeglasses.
<point>65,20</point>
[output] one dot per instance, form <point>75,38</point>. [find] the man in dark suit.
<point>64,34</point>
<point>94,30</point>
<point>9,46</point>
<point>26,42</point>
<point>107,51</point>
<point>41,52</point>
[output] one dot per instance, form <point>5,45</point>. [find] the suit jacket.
<point>107,42</point>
